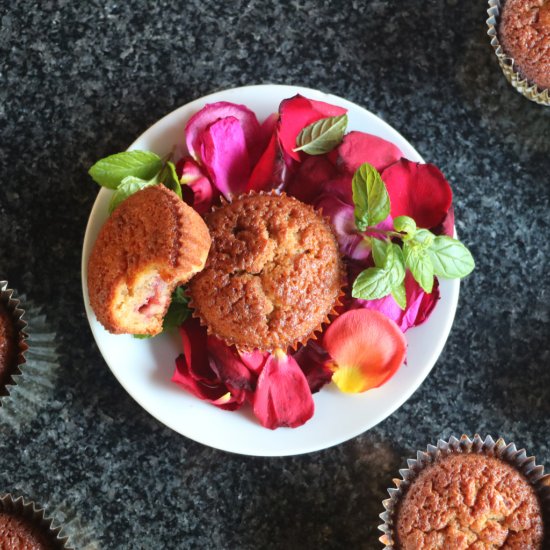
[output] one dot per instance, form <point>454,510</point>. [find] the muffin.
<point>524,33</point>
<point>273,275</point>
<point>152,243</point>
<point>12,338</point>
<point>520,36</point>
<point>24,526</point>
<point>468,494</point>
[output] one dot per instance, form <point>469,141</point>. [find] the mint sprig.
<point>322,136</point>
<point>129,172</point>
<point>424,254</point>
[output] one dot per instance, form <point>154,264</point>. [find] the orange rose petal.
<point>366,349</point>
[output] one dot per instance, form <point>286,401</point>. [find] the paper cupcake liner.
<point>488,446</point>
<point>522,85</point>
<point>34,376</point>
<point>12,304</point>
<point>36,515</point>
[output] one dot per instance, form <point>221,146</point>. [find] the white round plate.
<point>145,367</point>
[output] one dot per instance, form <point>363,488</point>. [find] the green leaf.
<point>379,251</point>
<point>142,336</point>
<point>404,224</point>
<point>110,171</point>
<point>322,136</point>
<point>128,186</point>
<point>450,258</point>
<point>178,310</point>
<point>397,268</point>
<point>417,259</point>
<point>371,199</point>
<point>424,238</point>
<point>169,178</point>
<point>371,284</point>
<point>399,294</point>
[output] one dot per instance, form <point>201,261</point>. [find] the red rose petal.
<point>358,147</point>
<point>227,365</point>
<point>366,348</point>
<point>298,112</point>
<point>254,360</point>
<point>307,183</point>
<point>282,396</point>
<point>224,153</point>
<point>213,112</point>
<point>266,175</point>
<point>419,191</point>
<point>314,361</point>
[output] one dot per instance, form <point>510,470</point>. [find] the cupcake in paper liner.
<point>23,524</point>
<point>28,356</point>
<point>520,36</point>
<point>469,493</point>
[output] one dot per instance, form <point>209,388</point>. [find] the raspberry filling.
<point>155,304</point>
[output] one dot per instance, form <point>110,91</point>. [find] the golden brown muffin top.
<point>524,33</point>
<point>469,501</point>
<point>273,273</point>
<point>8,344</point>
<point>18,533</point>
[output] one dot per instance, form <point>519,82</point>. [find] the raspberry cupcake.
<point>520,36</point>
<point>469,493</point>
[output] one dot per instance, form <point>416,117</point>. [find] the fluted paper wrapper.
<point>488,446</point>
<point>522,85</point>
<point>12,304</point>
<point>34,514</point>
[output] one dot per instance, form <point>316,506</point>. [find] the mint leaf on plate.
<point>127,187</point>
<point>371,199</point>
<point>178,311</point>
<point>450,258</point>
<point>110,171</point>
<point>169,178</point>
<point>418,260</point>
<point>322,136</point>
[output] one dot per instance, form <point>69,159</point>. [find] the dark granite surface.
<point>80,80</point>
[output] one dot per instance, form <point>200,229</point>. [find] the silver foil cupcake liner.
<point>12,304</point>
<point>36,515</point>
<point>500,449</point>
<point>522,85</point>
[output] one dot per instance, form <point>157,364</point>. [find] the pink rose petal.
<point>193,178</point>
<point>213,112</point>
<point>282,396</point>
<point>225,156</point>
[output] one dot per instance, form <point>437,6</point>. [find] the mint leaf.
<point>127,187</point>
<point>141,336</point>
<point>404,224</point>
<point>399,294</point>
<point>169,178</point>
<point>397,268</point>
<point>178,311</point>
<point>450,258</point>
<point>379,251</point>
<point>417,259</point>
<point>424,238</point>
<point>322,136</point>
<point>371,284</point>
<point>110,171</point>
<point>371,199</point>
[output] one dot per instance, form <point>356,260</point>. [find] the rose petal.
<point>254,360</point>
<point>227,365</point>
<point>307,183</point>
<point>213,112</point>
<point>314,361</point>
<point>193,178</point>
<point>225,156</point>
<point>359,147</point>
<point>298,112</point>
<point>342,218</point>
<point>447,226</point>
<point>282,396</point>
<point>419,191</point>
<point>269,170</point>
<point>366,349</point>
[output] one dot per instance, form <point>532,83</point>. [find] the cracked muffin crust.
<point>524,33</point>
<point>273,274</point>
<point>469,501</point>
<point>150,244</point>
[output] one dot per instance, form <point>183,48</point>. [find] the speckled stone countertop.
<point>82,80</point>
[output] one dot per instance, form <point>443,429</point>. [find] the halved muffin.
<point>273,275</point>
<point>152,243</point>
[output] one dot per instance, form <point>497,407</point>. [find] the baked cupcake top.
<point>273,274</point>
<point>524,33</point>
<point>469,501</point>
<point>18,533</point>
